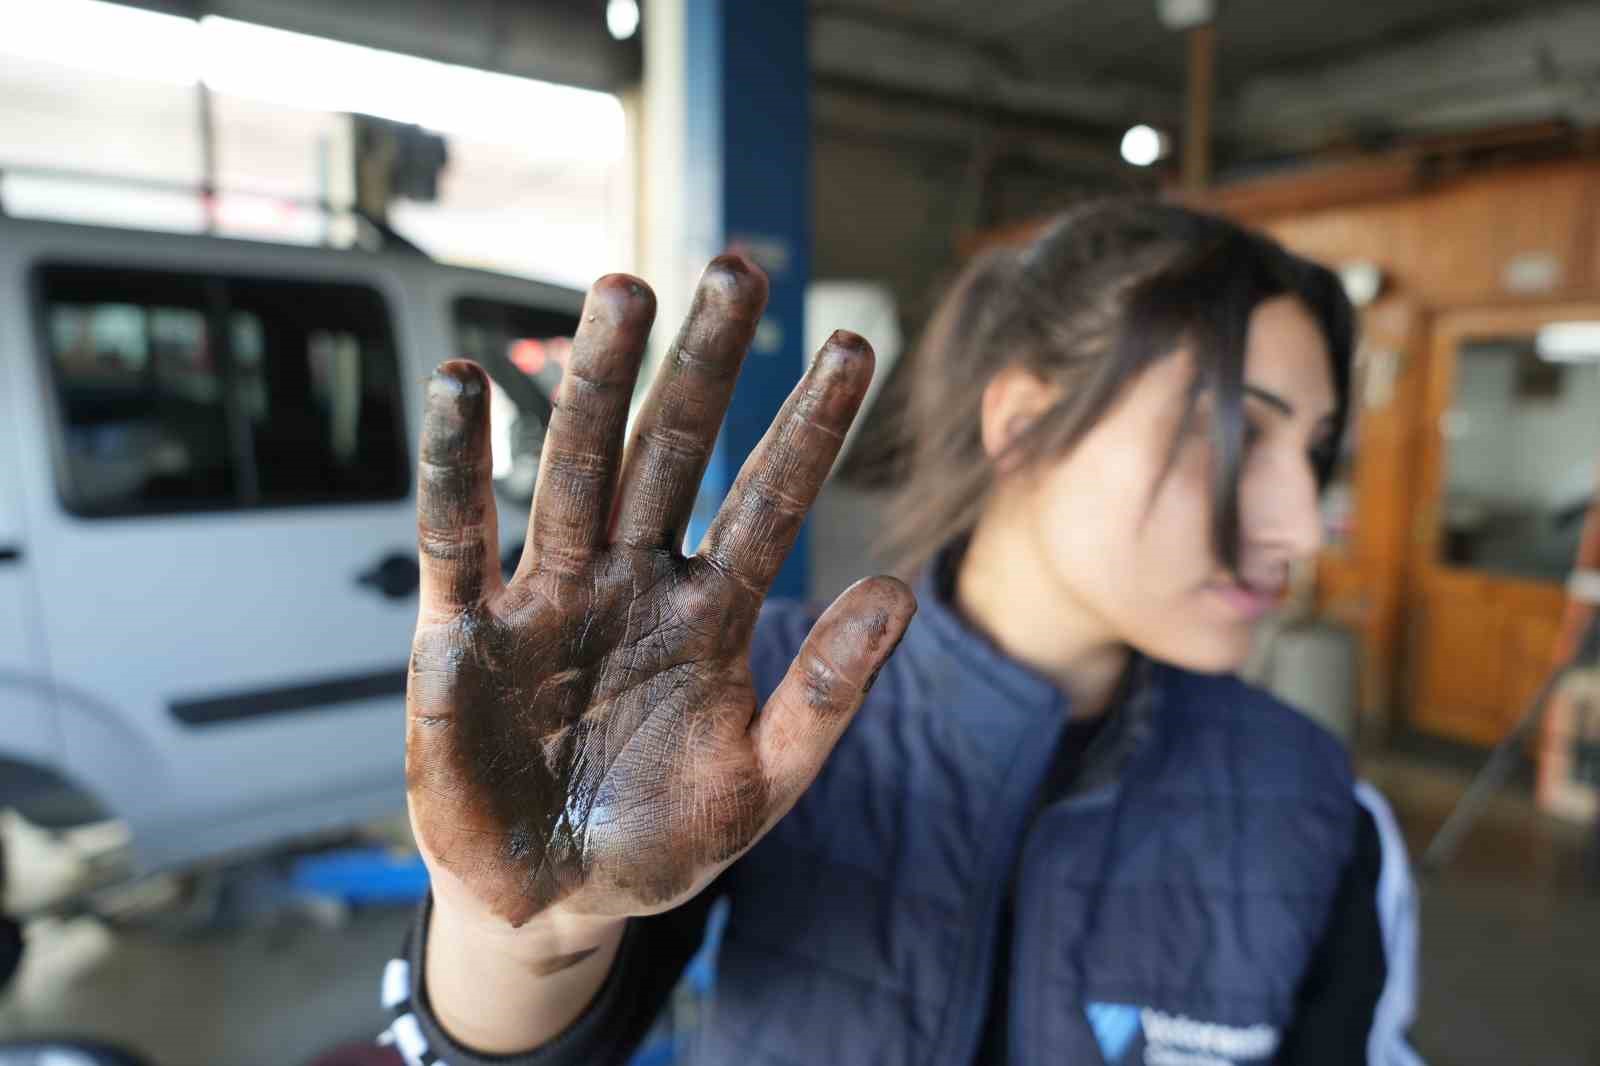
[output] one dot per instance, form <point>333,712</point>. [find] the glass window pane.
<point>301,405</point>
<point>142,427</point>
<point>524,349</point>
<point>318,383</point>
<point>1522,439</point>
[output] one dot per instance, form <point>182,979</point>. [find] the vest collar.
<point>1001,702</point>
<point>970,659</point>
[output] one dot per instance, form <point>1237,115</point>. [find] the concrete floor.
<point>259,997</point>
<point>1511,959</point>
<point>1510,928</point>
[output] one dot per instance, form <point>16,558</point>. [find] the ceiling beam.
<point>915,58</point>
<point>1519,68</point>
<point>1202,94</point>
<point>1511,69</point>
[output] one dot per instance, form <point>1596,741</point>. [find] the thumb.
<point>825,685</point>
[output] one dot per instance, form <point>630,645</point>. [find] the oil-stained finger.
<point>583,446</point>
<point>457,535</point>
<point>757,524</point>
<point>678,424</point>
<point>826,684</point>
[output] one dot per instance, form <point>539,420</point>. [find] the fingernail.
<point>456,383</point>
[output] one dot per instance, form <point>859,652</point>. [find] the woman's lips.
<point>1248,601</point>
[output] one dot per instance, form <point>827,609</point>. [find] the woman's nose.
<point>1289,515</point>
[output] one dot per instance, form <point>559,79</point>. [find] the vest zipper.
<point>978,954</point>
<point>1026,963</point>
<point>1108,751</point>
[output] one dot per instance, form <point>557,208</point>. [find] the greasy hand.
<point>586,734</point>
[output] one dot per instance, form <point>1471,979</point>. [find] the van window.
<point>524,349</point>
<point>178,392</point>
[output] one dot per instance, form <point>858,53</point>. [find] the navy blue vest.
<point>1166,908</point>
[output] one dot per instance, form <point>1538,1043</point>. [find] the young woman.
<point>1055,830</point>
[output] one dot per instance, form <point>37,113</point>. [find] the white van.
<point>207,541</point>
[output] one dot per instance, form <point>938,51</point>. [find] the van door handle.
<point>395,576</point>
<point>10,553</point>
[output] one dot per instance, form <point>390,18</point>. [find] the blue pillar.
<point>748,156</point>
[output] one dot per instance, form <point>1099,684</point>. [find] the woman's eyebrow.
<point>1281,405</point>
<point>1271,399</point>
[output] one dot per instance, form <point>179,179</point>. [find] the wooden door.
<point>1508,452</point>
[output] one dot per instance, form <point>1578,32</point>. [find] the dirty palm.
<point>586,732</point>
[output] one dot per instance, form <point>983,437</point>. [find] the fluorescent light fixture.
<point>1143,145</point>
<point>1569,342</point>
<point>295,70</point>
<point>622,18</point>
<point>105,38</point>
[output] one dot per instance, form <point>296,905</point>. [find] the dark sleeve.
<point>1339,996</point>
<point>654,950</point>
<point>651,958</point>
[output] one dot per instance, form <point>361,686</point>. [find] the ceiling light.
<point>1143,145</point>
<point>557,120</point>
<point>1569,342</point>
<point>1362,281</point>
<point>622,18</point>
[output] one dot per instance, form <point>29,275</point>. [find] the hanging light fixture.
<point>1143,145</point>
<point>622,18</point>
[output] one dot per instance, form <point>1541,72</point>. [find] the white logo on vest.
<point>1174,1040</point>
<point>1129,1034</point>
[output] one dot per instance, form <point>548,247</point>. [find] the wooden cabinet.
<point>1483,240</point>
<point>1386,233</point>
<point>1502,237</point>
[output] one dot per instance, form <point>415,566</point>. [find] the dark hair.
<point>1109,289</point>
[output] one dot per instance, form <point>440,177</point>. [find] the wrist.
<point>463,926</point>
<point>500,989</point>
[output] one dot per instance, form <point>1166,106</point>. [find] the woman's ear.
<point>1012,401</point>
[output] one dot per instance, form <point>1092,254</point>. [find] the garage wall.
<point>886,215</point>
<point>895,189</point>
<point>897,184</point>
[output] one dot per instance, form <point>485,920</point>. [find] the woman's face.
<point>1117,540</point>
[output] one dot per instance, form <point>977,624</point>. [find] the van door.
<point>30,735</point>
<point>229,558</point>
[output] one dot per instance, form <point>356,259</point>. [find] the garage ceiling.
<point>1126,40</point>
<point>1292,75</point>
